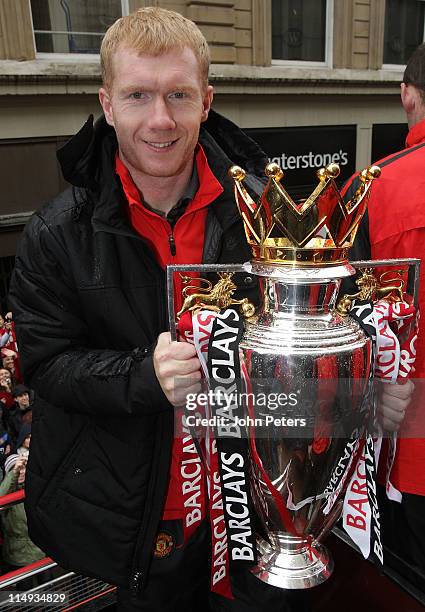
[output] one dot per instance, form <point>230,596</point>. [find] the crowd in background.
<point>16,399</point>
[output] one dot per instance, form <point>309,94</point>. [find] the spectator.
<point>5,443</point>
<point>6,396</point>
<point>18,550</point>
<point>23,441</point>
<point>21,393</point>
<point>4,332</point>
<point>9,326</point>
<point>10,362</point>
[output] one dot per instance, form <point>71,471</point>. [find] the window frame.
<point>397,67</point>
<point>328,62</point>
<point>89,57</point>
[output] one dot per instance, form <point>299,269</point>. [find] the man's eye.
<point>136,95</point>
<point>179,95</point>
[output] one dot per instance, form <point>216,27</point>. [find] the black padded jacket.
<point>89,301</point>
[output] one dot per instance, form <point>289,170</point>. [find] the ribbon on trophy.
<point>189,473</point>
<point>232,445</point>
<point>216,337</point>
<point>392,327</point>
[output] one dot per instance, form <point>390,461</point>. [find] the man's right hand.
<point>177,368</point>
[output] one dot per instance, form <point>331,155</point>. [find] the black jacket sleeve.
<point>56,358</point>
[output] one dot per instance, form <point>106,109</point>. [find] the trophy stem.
<point>292,563</point>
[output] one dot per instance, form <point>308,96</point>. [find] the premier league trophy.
<point>299,337</point>
<point>302,345</point>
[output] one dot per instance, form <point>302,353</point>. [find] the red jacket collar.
<point>209,187</point>
<point>131,192</point>
<point>416,134</point>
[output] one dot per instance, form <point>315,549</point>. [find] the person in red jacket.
<point>394,227</point>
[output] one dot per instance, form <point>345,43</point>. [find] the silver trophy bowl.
<point>300,347</point>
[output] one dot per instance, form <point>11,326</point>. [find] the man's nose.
<point>161,117</point>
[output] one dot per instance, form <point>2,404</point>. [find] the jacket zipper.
<point>139,573</point>
<point>172,244</point>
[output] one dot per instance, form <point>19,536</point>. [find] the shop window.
<point>404,29</point>
<point>302,31</point>
<point>73,26</point>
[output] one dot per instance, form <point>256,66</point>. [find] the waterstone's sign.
<point>302,150</point>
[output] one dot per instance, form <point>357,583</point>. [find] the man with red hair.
<point>149,187</point>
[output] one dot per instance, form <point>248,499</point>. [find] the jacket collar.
<point>416,134</point>
<point>88,160</point>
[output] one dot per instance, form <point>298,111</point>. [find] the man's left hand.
<point>393,401</point>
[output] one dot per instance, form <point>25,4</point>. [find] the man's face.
<point>156,105</point>
<point>23,400</point>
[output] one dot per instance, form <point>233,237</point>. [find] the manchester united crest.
<point>164,545</point>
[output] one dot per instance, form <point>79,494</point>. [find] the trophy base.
<point>294,566</point>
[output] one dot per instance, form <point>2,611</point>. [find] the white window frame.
<point>402,67</point>
<point>328,45</point>
<point>90,57</point>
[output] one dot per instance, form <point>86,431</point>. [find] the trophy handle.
<point>171,270</point>
<point>172,316</point>
<point>412,272</point>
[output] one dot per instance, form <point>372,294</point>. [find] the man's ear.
<point>106,104</point>
<point>206,102</point>
<point>409,95</point>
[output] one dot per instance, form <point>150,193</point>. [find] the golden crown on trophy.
<point>317,231</point>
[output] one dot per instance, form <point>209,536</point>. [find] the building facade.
<point>312,80</point>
